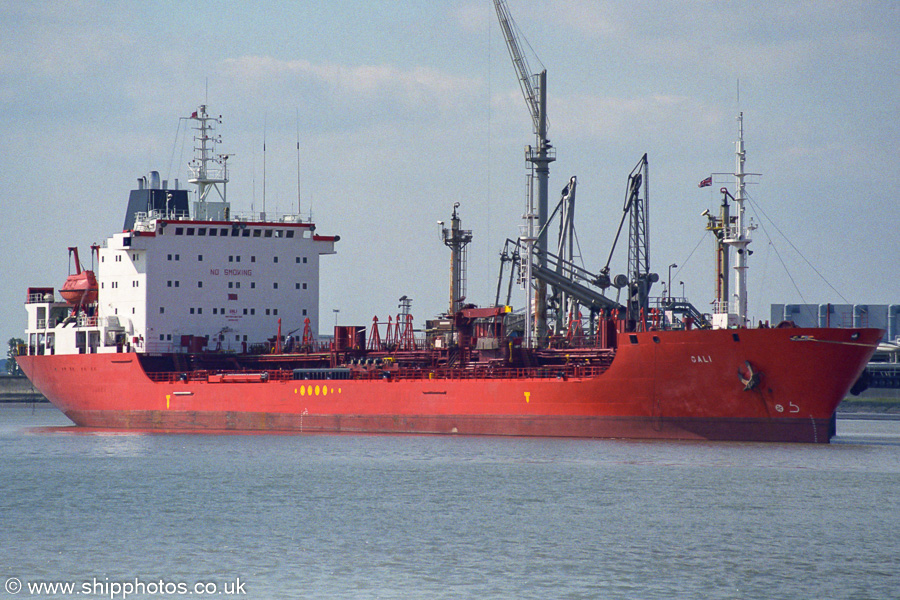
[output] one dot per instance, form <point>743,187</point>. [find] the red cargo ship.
<point>660,385</point>
<point>181,329</point>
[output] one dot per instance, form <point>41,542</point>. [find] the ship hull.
<point>744,385</point>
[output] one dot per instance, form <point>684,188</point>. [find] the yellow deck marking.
<point>527,397</point>
<point>167,401</point>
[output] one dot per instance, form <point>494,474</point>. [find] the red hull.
<point>668,385</point>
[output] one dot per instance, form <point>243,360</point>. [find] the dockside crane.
<point>534,89</point>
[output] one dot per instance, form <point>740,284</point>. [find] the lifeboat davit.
<point>81,288</point>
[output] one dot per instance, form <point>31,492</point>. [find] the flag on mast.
<point>706,182</point>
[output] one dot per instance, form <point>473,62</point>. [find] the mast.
<point>541,159</point>
<point>732,232</point>
<point>457,239</point>
<point>739,235</point>
<point>262,215</point>
<point>640,277</point>
<point>723,270</point>
<point>209,171</point>
<point>528,238</point>
<point>298,162</point>
<point>535,94</point>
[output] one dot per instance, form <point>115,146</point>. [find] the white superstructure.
<point>175,281</point>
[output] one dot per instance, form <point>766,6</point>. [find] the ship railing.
<point>549,372</point>
<point>86,321</point>
<point>249,375</point>
<point>721,307</point>
<point>39,299</point>
<point>145,218</point>
<point>579,341</point>
<point>161,347</point>
<point>174,377</point>
<point>420,343</point>
<point>271,217</point>
<point>46,323</point>
<point>675,312</point>
<point>261,376</point>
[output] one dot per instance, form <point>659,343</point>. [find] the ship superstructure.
<point>184,278</point>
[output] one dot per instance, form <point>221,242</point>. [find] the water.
<point>354,516</point>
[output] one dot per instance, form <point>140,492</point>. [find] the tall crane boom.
<point>526,76</point>
<point>540,157</point>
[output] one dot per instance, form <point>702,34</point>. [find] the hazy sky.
<point>407,107</point>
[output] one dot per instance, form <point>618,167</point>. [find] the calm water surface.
<point>353,516</point>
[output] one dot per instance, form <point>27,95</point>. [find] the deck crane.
<point>534,89</point>
<point>639,279</point>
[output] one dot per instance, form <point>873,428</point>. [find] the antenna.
<point>263,214</point>
<point>298,162</point>
<point>253,178</point>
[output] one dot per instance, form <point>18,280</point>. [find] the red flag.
<point>194,115</point>
<point>706,182</point>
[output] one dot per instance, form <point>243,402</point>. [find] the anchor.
<point>752,378</point>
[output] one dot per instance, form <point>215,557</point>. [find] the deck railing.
<point>40,298</point>
<point>86,321</point>
<point>401,374</point>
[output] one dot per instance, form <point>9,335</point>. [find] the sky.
<point>404,108</point>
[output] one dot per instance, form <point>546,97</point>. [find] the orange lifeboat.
<point>81,288</point>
